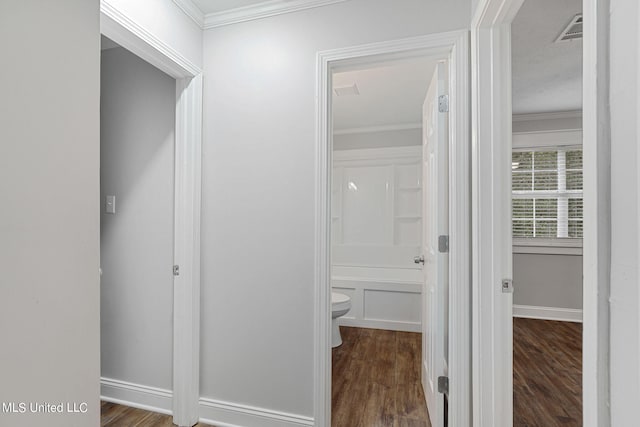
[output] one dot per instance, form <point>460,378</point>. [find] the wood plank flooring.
<point>113,415</point>
<point>376,380</point>
<point>547,373</point>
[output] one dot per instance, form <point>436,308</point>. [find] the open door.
<point>435,244</point>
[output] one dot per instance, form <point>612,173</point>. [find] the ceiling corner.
<point>192,11</point>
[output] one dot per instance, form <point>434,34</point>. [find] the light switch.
<point>110,204</point>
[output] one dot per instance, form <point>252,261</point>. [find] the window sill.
<point>548,246</point>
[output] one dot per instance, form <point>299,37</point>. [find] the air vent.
<point>346,90</point>
<point>573,31</point>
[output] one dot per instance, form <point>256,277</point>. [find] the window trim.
<point>534,141</point>
<point>546,246</point>
<point>538,141</point>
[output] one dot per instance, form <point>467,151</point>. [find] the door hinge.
<point>176,270</point>
<point>507,286</point>
<point>443,103</point>
<point>443,244</point>
<point>443,385</point>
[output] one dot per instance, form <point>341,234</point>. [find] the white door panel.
<point>436,213</point>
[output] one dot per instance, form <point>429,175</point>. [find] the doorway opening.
<point>547,212</point>
<point>367,217</point>
<point>137,146</point>
<point>376,232</point>
<point>185,268</point>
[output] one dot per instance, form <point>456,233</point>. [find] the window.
<point>547,193</point>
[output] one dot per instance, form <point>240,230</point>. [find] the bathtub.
<point>381,297</point>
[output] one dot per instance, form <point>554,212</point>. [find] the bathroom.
<point>376,232</point>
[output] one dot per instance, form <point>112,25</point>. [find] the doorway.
<point>137,134</point>
<point>184,395</point>
<point>547,212</point>
<point>451,47</point>
<point>376,232</point>
<point>492,290</point>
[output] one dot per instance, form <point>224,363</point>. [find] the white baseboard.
<point>136,395</point>
<point>227,414</point>
<point>390,325</point>
<point>214,412</point>
<point>548,313</point>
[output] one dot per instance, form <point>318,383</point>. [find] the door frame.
<point>187,200</point>
<point>492,335</point>
<point>491,145</point>
<point>453,46</point>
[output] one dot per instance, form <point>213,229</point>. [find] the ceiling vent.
<point>573,31</point>
<point>346,90</point>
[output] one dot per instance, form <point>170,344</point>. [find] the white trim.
<point>343,282</point>
<point>454,47</point>
<point>128,34</point>
<point>186,291</point>
<point>365,265</point>
<point>382,128</point>
<point>492,359</point>
<point>139,396</point>
<point>547,246</point>
<point>411,153</point>
<point>261,10</point>
<point>228,414</point>
<point>548,313</point>
<point>547,116</point>
<point>389,325</point>
<point>542,242</point>
<point>188,143</point>
<point>192,11</point>
<point>554,138</point>
<point>460,211</point>
<point>597,215</point>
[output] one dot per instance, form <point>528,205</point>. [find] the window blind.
<point>547,193</point>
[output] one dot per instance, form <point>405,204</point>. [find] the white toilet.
<point>340,305</point>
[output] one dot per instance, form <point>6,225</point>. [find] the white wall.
<point>554,279</point>
<point>49,186</point>
<point>625,212</point>
<point>137,166</point>
<point>258,190</point>
<point>166,21</point>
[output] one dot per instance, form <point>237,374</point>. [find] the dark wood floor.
<point>113,415</point>
<point>376,380</point>
<point>547,373</point>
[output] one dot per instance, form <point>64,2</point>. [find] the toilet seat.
<point>340,302</point>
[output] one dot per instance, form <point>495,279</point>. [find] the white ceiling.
<point>391,94</point>
<point>547,76</point>
<point>214,6</point>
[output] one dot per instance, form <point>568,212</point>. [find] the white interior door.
<point>435,250</point>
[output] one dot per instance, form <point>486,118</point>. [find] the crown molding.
<point>129,34</point>
<point>260,10</point>
<point>383,128</point>
<point>547,116</point>
<point>192,11</point>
